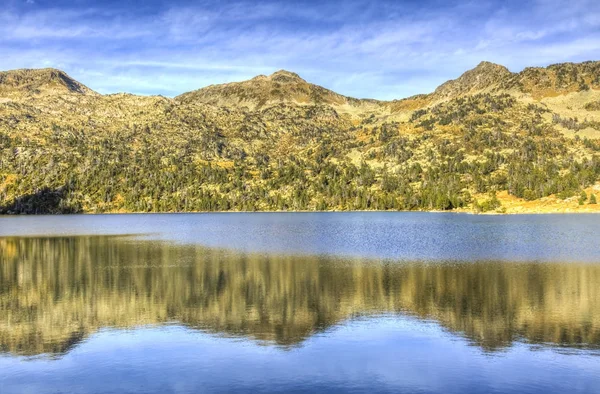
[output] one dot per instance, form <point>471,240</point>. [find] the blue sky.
<point>379,49</point>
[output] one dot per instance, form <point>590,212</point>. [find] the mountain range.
<point>490,140</point>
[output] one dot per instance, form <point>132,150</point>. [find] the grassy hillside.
<point>490,140</point>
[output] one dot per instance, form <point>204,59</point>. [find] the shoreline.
<point>463,212</point>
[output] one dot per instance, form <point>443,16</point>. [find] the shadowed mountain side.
<point>55,291</point>
<point>45,201</point>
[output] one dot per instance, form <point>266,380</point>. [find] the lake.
<point>300,302</point>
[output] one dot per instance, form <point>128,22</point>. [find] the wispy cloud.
<point>385,49</point>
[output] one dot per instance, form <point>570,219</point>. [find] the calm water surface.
<point>336,302</point>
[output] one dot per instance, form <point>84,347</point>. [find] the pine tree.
<point>582,198</point>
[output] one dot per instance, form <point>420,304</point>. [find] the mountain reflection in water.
<point>55,291</point>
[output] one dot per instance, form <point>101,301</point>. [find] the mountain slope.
<point>568,91</point>
<point>555,79</point>
<point>489,140</point>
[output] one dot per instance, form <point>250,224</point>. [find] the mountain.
<point>43,81</point>
<point>490,140</point>
<point>557,79</point>
<point>281,87</point>
<point>539,82</point>
<point>484,77</point>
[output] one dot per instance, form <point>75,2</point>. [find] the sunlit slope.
<point>279,142</point>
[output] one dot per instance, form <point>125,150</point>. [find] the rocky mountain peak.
<point>483,77</point>
<point>285,76</point>
<point>263,91</point>
<point>35,81</point>
<point>486,66</point>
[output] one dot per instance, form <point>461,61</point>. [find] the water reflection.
<point>56,291</point>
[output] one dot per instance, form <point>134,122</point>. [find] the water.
<point>337,302</point>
